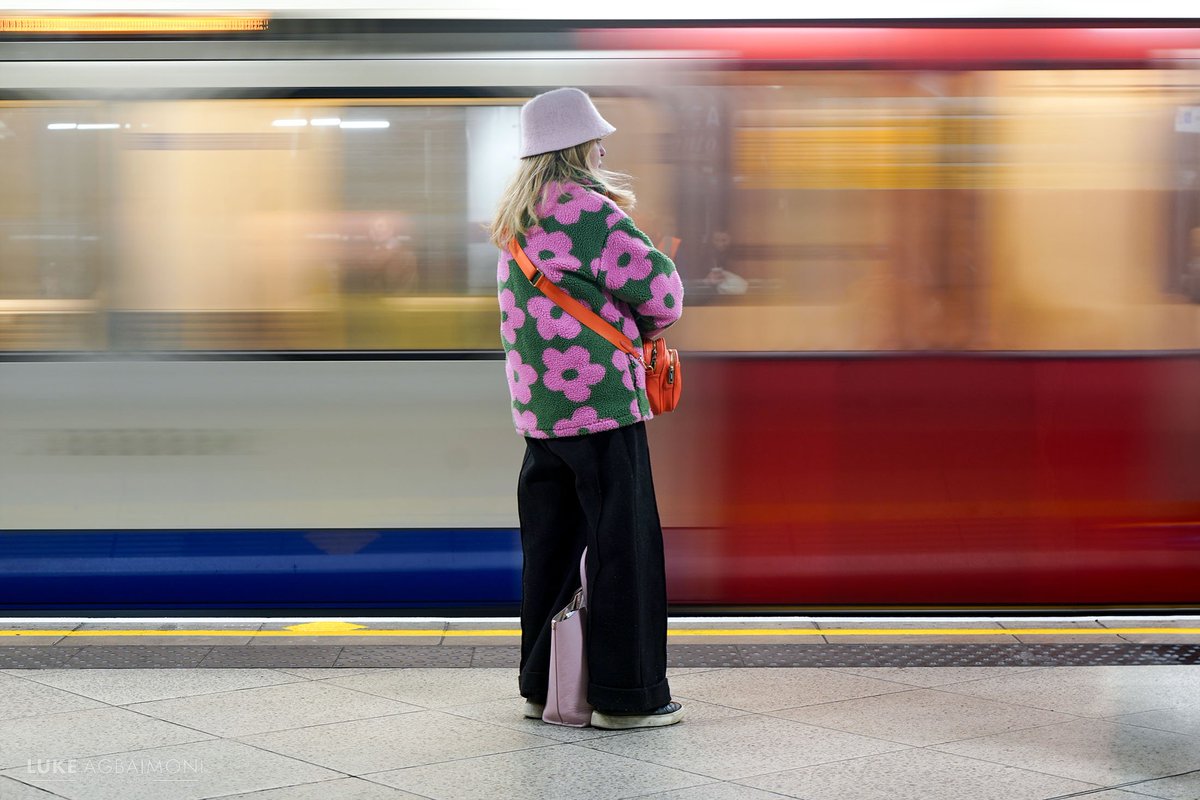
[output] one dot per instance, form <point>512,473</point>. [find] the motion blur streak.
<point>942,288</point>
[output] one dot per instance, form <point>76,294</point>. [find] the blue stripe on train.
<point>348,568</point>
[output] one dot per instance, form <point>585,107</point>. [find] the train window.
<point>293,225</point>
<point>1079,217</point>
<point>842,199</point>
<point>269,225</point>
<point>54,224</point>
<point>1184,269</point>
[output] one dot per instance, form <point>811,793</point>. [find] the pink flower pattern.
<point>571,373</point>
<point>621,319</point>
<point>511,316</point>
<point>527,424</point>
<point>621,361</point>
<point>520,377</point>
<point>584,420</point>
<point>550,252</point>
<point>663,305</point>
<point>625,258</point>
<point>591,396</point>
<point>552,320</point>
<point>566,201</point>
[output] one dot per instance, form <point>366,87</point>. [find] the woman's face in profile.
<point>595,154</point>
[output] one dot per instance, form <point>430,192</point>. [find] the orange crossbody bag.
<point>664,373</point>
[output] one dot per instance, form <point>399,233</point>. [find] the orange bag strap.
<point>572,306</point>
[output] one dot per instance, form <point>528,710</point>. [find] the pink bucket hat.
<point>560,119</point>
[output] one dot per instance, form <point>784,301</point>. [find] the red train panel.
<point>942,47</point>
<point>935,481</point>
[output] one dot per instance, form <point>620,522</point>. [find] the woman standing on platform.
<point>581,405</point>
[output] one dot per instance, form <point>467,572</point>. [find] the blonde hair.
<point>517,211</point>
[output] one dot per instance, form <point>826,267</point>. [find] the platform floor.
<point>1047,717</point>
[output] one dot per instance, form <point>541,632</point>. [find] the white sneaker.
<point>667,715</point>
<point>533,710</point>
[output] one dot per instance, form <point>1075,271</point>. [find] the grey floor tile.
<point>75,734</point>
<point>681,638</point>
<point>30,640</point>
<point>1132,622</point>
<point>271,708</point>
<point>1181,787</point>
<point>1094,751</point>
<point>504,624</point>
<point>357,640</point>
<point>182,640</point>
<point>714,791</point>
<point>343,789</point>
<point>738,747</point>
<point>405,740</point>
<point>1092,691</point>
<point>773,689</point>
<point>905,624</point>
<point>923,717</point>
<point>206,769</point>
<point>122,686</point>
<point>915,775</point>
<point>506,714</point>
<point>27,640</point>
<point>27,698</point>
<point>155,625</point>
<point>1113,794</point>
<point>435,688</point>
<point>916,638</point>
<point>834,632</point>
<point>15,790</point>
<point>1073,632</point>
<point>321,673</point>
<point>710,623</point>
<point>549,773</point>
<point>1183,719</point>
<point>929,677</point>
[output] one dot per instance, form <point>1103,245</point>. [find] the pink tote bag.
<point>566,700</point>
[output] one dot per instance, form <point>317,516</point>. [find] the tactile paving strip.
<point>497,656</point>
<point>36,657</point>
<point>686,655</point>
<point>705,655</point>
<point>405,656</point>
<point>967,655</point>
<point>269,656</point>
<point>99,656</point>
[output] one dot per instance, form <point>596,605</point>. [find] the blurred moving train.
<point>942,324</point>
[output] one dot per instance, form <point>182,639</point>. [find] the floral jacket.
<point>564,378</point>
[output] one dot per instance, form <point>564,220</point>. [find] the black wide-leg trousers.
<point>595,490</point>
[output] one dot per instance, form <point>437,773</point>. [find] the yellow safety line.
<point>674,632</point>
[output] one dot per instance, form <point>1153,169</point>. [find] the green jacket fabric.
<point>565,379</point>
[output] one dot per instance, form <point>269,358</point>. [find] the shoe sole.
<point>533,711</point>
<point>612,722</point>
